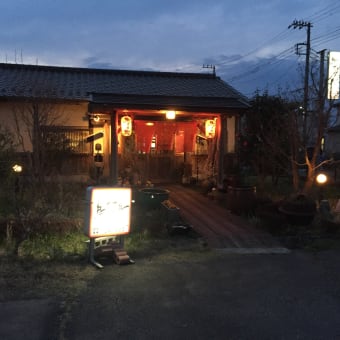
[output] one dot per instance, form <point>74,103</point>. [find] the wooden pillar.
<point>221,150</point>
<point>106,150</point>
<point>114,149</point>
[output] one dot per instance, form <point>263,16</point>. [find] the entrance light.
<point>170,114</point>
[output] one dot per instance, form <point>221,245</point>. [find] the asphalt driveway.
<point>212,294</point>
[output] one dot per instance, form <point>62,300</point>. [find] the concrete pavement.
<point>213,295</point>
<point>29,319</point>
<point>193,294</point>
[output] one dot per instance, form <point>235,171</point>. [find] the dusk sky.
<point>248,41</point>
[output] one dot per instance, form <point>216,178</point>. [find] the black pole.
<point>322,81</point>
<point>300,24</point>
<point>114,149</point>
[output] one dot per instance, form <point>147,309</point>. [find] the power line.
<point>272,61</point>
<point>274,39</point>
<point>282,56</point>
<point>325,12</point>
<point>326,37</point>
<point>267,71</point>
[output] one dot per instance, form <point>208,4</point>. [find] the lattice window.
<point>66,138</point>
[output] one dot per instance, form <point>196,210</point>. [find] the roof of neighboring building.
<point>118,86</point>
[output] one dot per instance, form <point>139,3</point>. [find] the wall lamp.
<point>17,168</point>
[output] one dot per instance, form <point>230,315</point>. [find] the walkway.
<point>218,226</point>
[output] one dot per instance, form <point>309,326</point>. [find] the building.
<point>122,125</point>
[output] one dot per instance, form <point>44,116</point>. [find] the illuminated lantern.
<point>321,178</point>
<point>210,127</point>
<point>126,126</point>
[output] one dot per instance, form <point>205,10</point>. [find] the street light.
<point>321,178</point>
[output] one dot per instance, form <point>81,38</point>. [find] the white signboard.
<point>108,211</point>
<point>333,75</point>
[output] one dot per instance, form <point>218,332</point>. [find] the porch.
<point>177,151</point>
<point>217,226</point>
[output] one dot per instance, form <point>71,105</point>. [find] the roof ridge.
<point>109,71</point>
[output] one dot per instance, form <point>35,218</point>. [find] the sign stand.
<point>91,254</point>
<point>106,245</point>
<point>107,219</point>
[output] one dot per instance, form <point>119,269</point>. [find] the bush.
<point>54,246</point>
<point>55,208</point>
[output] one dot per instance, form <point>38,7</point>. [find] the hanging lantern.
<point>210,127</point>
<point>126,126</point>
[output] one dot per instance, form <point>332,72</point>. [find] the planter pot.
<point>295,218</point>
<point>241,199</point>
<point>151,198</point>
<point>172,219</point>
<point>299,210</point>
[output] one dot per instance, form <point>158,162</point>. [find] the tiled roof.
<point>70,83</point>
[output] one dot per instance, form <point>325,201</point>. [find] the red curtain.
<point>165,133</point>
<point>143,135</point>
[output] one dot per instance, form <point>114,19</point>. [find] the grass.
<point>47,265</point>
<point>42,248</point>
<point>29,279</point>
<point>54,246</point>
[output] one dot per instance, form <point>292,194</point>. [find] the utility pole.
<point>323,120</point>
<point>300,24</point>
<point>210,67</point>
<point>322,81</point>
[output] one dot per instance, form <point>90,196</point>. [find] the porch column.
<point>114,149</point>
<point>221,150</point>
<point>106,150</point>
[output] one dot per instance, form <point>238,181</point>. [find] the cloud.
<point>164,35</point>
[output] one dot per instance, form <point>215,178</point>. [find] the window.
<point>66,139</point>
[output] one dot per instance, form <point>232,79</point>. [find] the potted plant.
<point>241,196</point>
<point>299,209</point>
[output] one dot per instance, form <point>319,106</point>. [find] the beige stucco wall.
<point>72,114</point>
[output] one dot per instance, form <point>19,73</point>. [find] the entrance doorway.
<point>158,151</point>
